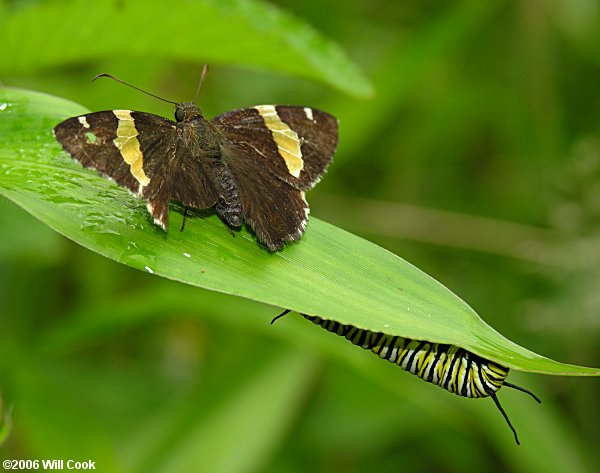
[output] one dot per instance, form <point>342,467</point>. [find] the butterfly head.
<point>187,111</point>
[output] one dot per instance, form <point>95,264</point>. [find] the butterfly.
<point>251,165</point>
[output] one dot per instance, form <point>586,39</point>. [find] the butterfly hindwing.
<point>276,211</point>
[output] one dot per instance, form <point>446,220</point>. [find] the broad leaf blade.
<point>330,272</point>
<point>205,31</point>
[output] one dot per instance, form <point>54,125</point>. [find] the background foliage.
<point>477,160</point>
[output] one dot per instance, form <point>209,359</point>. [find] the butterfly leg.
<point>185,212</point>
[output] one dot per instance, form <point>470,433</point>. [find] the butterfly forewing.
<point>90,139</point>
<point>296,144</point>
<point>128,147</point>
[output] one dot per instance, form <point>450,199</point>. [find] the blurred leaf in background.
<point>477,159</point>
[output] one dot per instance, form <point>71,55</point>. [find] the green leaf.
<point>330,272</point>
<point>241,32</point>
<point>273,394</point>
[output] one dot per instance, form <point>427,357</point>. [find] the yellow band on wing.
<point>129,146</point>
<point>287,140</point>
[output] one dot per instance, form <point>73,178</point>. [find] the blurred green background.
<point>477,159</point>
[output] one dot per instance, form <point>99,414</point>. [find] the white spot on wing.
<point>160,224</point>
<point>187,255</point>
<point>83,122</point>
<point>309,114</point>
<point>306,211</point>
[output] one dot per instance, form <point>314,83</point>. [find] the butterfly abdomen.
<point>229,204</point>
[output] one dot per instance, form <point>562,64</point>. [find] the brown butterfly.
<point>251,165</point>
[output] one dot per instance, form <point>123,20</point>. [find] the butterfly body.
<point>206,147</point>
<point>251,165</point>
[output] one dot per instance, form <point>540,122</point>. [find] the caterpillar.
<point>447,366</point>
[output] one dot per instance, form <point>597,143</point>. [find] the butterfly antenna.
<point>133,87</point>
<point>286,311</point>
<point>202,76</point>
